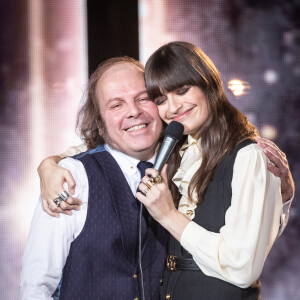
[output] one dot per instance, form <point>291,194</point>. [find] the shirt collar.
<point>127,163</point>
<point>190,141</point>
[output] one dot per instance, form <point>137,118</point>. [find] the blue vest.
<point>103,259</point>
<point>210,214</point>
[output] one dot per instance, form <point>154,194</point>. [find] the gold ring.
<point>151,179</point>
<point>149,184</point>
<point>158,179</point>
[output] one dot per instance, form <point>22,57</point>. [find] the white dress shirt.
<point>237,253</point>
<point>50,238</point>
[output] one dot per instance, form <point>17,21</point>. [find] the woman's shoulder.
<point>251,153</point>
<point>253,147</point>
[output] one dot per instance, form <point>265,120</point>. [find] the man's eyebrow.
<point>141,93</point>
<point>121,99</point>
<point>111,100</point>
<point>114,99</point>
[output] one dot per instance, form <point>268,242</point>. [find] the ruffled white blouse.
<point>190,163</point>
<point>237,253</point>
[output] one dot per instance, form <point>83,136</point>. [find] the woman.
<point>227,219</point>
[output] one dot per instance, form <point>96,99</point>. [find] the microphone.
<point>173,134</point>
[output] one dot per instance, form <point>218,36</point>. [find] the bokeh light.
<point>238,87</point>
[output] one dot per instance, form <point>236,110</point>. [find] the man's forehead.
<point>121,67</point>
<point>119,79</point>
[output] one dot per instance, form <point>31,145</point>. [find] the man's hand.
<point>279,167</point>
<point>52,178</point>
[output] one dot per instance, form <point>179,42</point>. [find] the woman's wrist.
<point>175,222</point>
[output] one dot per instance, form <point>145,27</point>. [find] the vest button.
<point>161,282</point>
<point>136,298</point>
<point>135,276</point>
<point>168,296</point>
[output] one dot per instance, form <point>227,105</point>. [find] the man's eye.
<point>115,106</point>
<point>144,99</point>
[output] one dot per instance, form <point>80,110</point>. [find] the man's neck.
<point>141,156</point>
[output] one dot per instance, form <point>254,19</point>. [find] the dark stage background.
<point>48,48</point>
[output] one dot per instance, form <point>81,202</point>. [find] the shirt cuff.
<point>191,237</point>
<point>285,212</point>
<point>284,217</point>
<point>286,206</point>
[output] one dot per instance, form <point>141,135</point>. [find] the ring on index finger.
<point>158,179</point>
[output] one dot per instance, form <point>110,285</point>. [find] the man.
<point>129,125</point>
<point>102,261</point>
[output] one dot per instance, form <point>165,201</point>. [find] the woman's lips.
<point>182,115</point>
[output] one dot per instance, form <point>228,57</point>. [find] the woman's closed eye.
<point>183,90</point>
<point>160,100</point>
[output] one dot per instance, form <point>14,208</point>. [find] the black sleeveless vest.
<point>192,285</point>
<point>103,259</point>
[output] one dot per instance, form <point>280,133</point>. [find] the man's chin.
<point>143,148</point>
<point>142,152</point>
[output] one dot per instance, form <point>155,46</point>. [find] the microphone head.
<point>174,130</point>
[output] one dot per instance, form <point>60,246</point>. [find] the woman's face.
<point>186,105</point>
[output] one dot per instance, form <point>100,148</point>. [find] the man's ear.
<point>100,131</point>
<point>100,128</point>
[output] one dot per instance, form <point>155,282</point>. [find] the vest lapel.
<point>126,208</point>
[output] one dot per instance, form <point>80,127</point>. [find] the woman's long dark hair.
<point>179,64</point>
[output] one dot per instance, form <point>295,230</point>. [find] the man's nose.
<point>134,110</point>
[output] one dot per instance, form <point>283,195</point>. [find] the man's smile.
<point>136,127</point>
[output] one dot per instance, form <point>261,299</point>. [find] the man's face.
<point>132,123</point>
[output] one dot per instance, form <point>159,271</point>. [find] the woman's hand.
<point>52,179</point>
<point>279,166</point>
<point>159,202</point>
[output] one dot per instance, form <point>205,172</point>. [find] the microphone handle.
<point>164,153</point>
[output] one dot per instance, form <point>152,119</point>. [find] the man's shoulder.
<point>92,158</point>
<point>79,162</point>
<point>71,164</point>
<point>98,149</point>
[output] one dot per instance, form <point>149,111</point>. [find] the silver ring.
<point>58,201</point>
<point>64,196</point>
